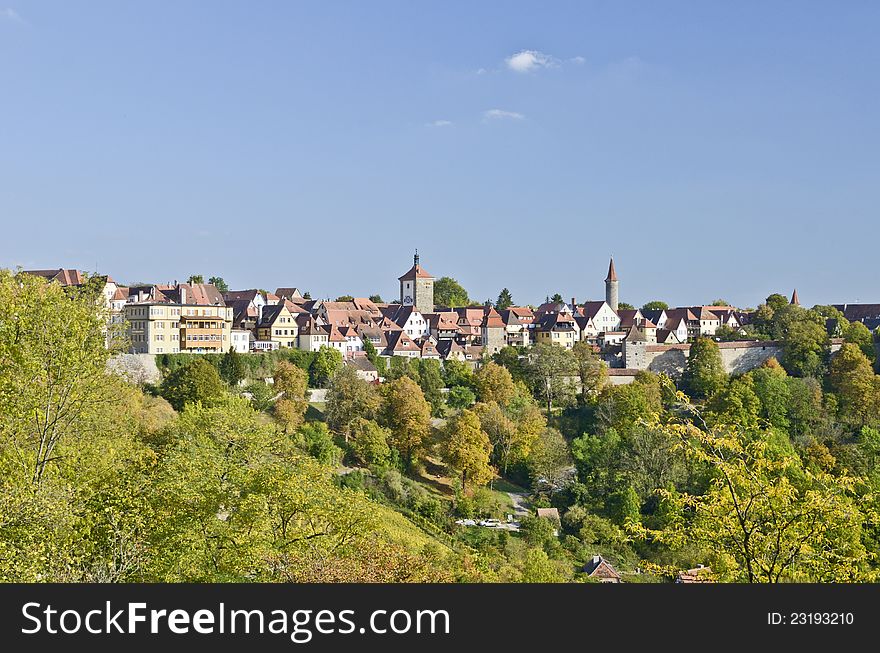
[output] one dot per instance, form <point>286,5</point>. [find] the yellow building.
<point>277,324</point>
<point>184,317</point>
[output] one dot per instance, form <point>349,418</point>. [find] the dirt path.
<point>520,504</point>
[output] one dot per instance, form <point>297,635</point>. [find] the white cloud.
<point>440,123</point>
<point>578,60</point>
<point>501,114</point>
<point>527,61</point>
<point>10,14</point>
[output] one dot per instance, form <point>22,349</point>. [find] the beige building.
<point>174,319</point>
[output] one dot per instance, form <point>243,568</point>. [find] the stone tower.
<point>417,288</point>
<point>611,286</point>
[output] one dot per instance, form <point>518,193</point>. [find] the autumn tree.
<point>765,517</point>
<point>349,398</point>
<point>466,449</point>
<point>292,383</point>
<point>494,383</point>
<point>407,415</point>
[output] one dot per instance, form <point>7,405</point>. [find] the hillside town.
<point>197,317</point>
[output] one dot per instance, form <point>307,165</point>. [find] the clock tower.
<point>417,288</point>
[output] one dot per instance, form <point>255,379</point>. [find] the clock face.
<point>407,300</point>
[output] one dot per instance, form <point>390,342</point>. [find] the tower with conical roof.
<point>611,286</point>
<point>417,288</point>
<point>795,300</point>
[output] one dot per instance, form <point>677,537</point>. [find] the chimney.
<point>182,295</point>
<point>573,303</point>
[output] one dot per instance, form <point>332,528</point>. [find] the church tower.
<point>611,286</point>
<point>417,288</point>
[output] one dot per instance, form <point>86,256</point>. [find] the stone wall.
<point>737,357</point>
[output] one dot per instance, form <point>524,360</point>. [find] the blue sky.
<point>717,149</point>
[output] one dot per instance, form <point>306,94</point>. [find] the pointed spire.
<point>612,273</point>
<point>795,301</point>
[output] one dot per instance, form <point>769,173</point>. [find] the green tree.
<point>431,382</point>
<point>858,334</point>
<point>448,292</point>
<point>407,415</point>
<point>625,306</point>
<point>293,385</point>
<point>195,278</point>
<point>376,299</point>
<point>349,398</point>
<point>369,442</point>
<point>197,381</point>
<point>52,367</point>
<point>345,298</point>
<point>804,340</point>
<point>551,370</point>
<point>772,388</point>
<point>592,371</point>
<point>852,377</point>
<point>556,299</point>
<point>777,301</point>
<point>505,300</point>
<point>622,407</point>
<point>765,517</point>
<point>458,373</point>
<point>460,396</point>
<point>231,367</point>
<point>655,305</point>
<point>704,373</point>
<point>327,362</point>
<point>261,395</point>
<point>538,568</point>
<point>218,283</point>
<point>550,460</point>
<point>466,449</point>
<point>738,403</point>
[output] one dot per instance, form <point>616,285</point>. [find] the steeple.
<point>611,286</point>
<point>795,301</point>
<point>416,258</point>
<point>612,273</point>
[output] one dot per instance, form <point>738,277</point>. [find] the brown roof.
<point>599,567</point>
<point>493,320</point>
<point>62,276</point>
<point>612,273</point>
<point>416,272</point>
